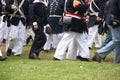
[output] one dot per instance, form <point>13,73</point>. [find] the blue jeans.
<point>114,44</point>
<point>107,40</point>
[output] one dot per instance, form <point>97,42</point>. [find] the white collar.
<point>37,1</point>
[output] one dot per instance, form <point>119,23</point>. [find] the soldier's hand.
<point>49,29</point>
<point>36,27</point>
<point>98,19</point>
<point>14,7</point>
<point>4,3</point>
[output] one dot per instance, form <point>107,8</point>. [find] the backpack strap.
<point>15,2</point>
<point>91,9</point>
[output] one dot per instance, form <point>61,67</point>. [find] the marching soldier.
<point>39,20</point>
<point>96,14</point>
<point>76,33</point>
<point>55,11</point>
<point>18,10</point>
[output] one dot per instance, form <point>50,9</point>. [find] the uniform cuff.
<point>34,23</point>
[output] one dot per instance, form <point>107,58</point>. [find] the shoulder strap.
<point>93,1</point>
<point>65,6</point>
<point>91,9</point>
<point>17,8</point>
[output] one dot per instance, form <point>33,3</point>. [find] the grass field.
<point>22,68</point>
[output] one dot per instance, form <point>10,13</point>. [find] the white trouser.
<point>4,32</point>
<point>52,39</point>
<point>48,43</point>
<point>16,38</point>
<point>78,39</point>
<point>72,51</point>
<point>56,39</point>
<point>24,36</point>
<point>7,37</point>
<point>94,37</point>
<point>78,47</point>
<point>30,32</point>
<point>0,50</point>
<point>3,26</point>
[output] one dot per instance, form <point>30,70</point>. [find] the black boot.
<point>9,52</point>
<point>33,56</point>
<point>82,59</point>
<point>4,40</point>
<point>97,58</point>
<point>2,58</point>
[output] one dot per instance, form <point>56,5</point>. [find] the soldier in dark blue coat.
<point>18,10</point>
<point>1,57</point>
<point>55,11</point>
<point>76,33</point>
<point>96,11</point>
<point>39,20</point>
<point>96,14</point>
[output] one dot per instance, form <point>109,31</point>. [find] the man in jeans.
<point>114,44</point>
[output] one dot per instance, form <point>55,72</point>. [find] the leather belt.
<point>55,16</point>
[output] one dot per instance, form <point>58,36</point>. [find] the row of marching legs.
<point>51,43</point>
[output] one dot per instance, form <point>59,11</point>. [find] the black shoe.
<point>90,48</point>
<point>56,59</point>
<point>9,52</point>
<point>78,57</point>
<point>96,58</point>
<point>4,40</point>
<point>34,56</point>
<point>82,59</point>
<point>2,58</point>
<point>31,57</point>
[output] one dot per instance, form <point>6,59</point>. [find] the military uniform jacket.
<point>55,16</point>
<point>25,9</point>
<point>79,25</point>
<point>96,9</point>
<point>38,14</point>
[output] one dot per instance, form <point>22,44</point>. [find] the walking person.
<point>39,20</point>
<point>75,33</point>
<point>112,11</point>
<point>19,19</point>
<point>96,14</point>
<point>55,11</point>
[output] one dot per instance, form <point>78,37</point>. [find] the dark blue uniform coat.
<point>38,13</point>
<point>78,24</point>
<point>25,8</point>
<point>54,21</point>
<point>100,4</point>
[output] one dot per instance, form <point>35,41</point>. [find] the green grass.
<point>22,68</point>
